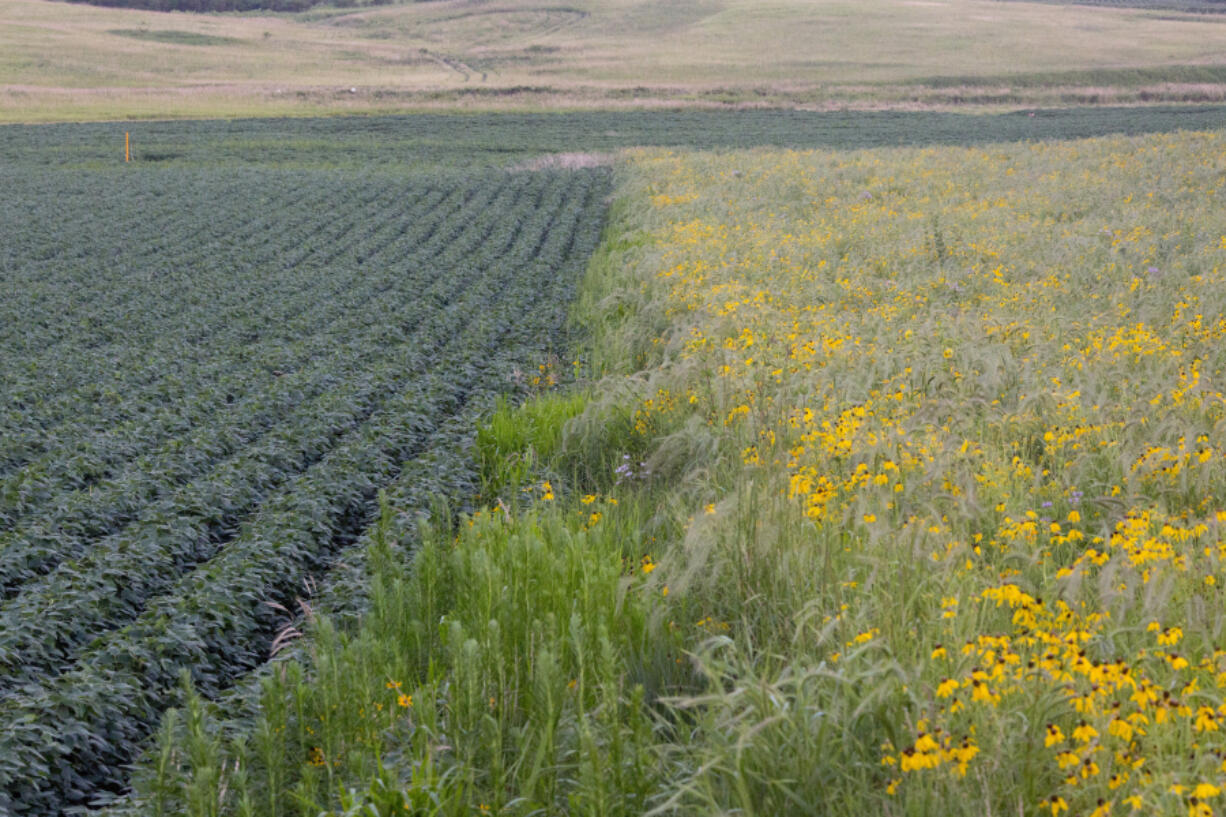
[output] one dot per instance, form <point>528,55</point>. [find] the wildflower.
<point>1084,732</point>
<point>1199,808</point>
<point>1066,759</point>
<point>980,691</point>
<point>949,606</point>
<point>1120,728</point>
<point>1170,636</point>
<point>1055,804</point>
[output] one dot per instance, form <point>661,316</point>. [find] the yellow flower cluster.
<point>929,753</point>
<point>1001,367</point>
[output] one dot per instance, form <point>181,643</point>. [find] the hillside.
<point>62,61</point>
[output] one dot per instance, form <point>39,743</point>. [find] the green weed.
<point>517,443</point>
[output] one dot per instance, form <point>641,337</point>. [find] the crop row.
<point>188,325</point>
<point>203,362</point>
<point>194,336</point>
<point>236,401</point>
<point>63,492</point>
<point>444,143</point>
<point>118,269</point>
<point>76,454</point>
<point>111,582</point>
<point>67,732</point>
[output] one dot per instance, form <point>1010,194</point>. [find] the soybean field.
<point>430,143</point>
<point>207,378</point>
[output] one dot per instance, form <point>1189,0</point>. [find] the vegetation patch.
<point>173,37</point>
<point>1184,6</point>
<point>904,460</point>
<point>457,143</point>
<point>205,6</point>
<point>514,445</point>
<point>171,483</point>
<point>1103,77</point>
<point>896,489</point>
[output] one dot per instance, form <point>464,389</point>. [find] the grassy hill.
<point>62,62</point>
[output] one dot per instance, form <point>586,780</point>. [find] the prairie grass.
<point>896,487</point>
<point>969,542</point>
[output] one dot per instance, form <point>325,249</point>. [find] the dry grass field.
<point>69,62</point>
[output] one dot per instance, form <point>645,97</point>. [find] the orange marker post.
<point>127,146</point>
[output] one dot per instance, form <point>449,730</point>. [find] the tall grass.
<point>966,558</point>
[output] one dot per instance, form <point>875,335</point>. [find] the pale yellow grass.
<point>62,61</point>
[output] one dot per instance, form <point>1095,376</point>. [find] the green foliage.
<point>516,443</point>
<point>173,36</point>
<point>200,412</point>
<point>460,143</point>
<point>1118,77</point>
<point>171,483</point>
<point>1184,6</point>
<point>489,673</point>
<point>795,663</point>
<point>200,6</point>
